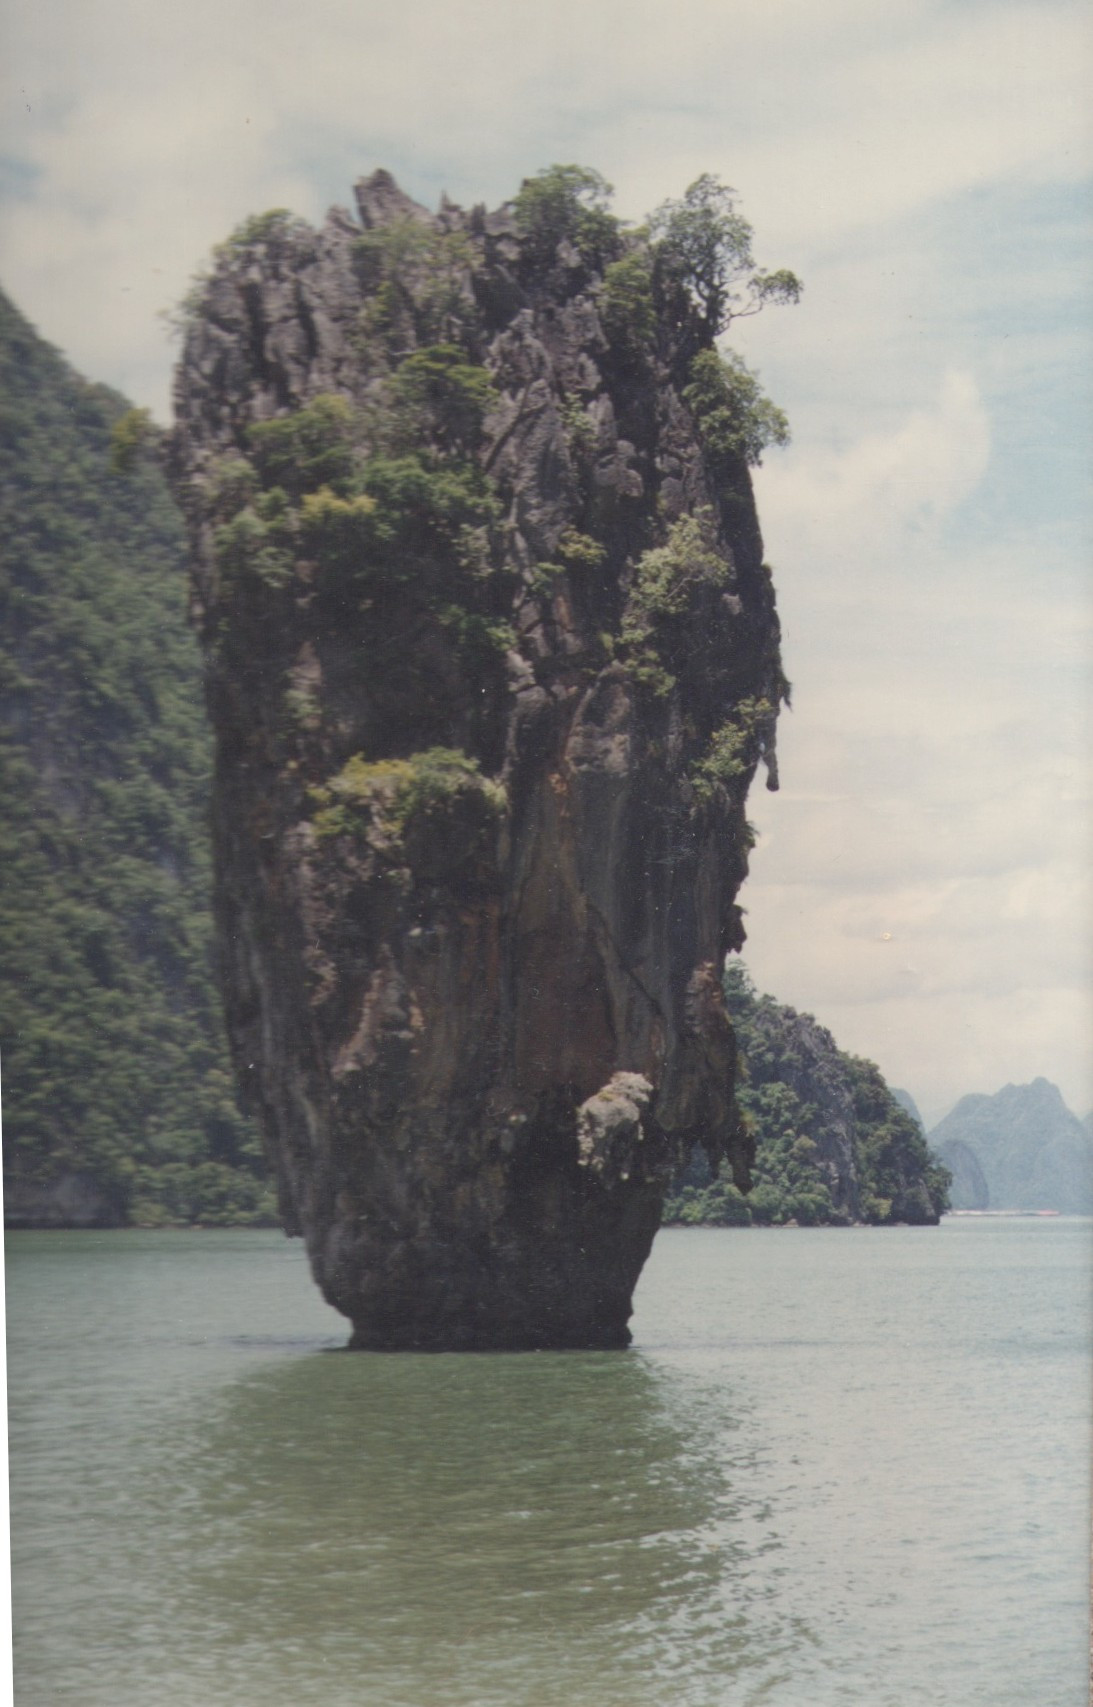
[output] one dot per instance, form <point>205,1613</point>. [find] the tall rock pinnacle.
<point>492,657</point>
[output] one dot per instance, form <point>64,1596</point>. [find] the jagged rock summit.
<point>492,657</point>
<point>1021,1148</point>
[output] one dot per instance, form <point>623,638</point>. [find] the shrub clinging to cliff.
<point>734,415</point>
<point>565,203</point>
<point>704,257</point>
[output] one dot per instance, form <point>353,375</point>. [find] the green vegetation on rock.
<point>565,204</point>
<point>832,1144</point>
<point>371,494</point>
<point>116,1076</point>
<point>312,447</point>
<point>627,304</point>
<point>664,584</point>
<point>259,228</point>
<point>734,416</point>
<point>445,396</point>
<point>734,748</point>
<point>417,281</point>
<point>705,261</point>
<point>395,791</point>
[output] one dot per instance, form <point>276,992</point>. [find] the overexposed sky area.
<point>922,882</point>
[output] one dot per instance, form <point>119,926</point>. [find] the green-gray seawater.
<point>836,1467</point>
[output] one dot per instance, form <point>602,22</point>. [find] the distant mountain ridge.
<point>1021,1148</point>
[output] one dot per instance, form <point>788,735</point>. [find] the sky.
<point>922,881</point>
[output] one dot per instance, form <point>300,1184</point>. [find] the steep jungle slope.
<point>833,1145</point>
<point>118,1099</point>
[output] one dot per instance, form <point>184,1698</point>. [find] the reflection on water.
<point>466,1529</point>
<point>838,1470</point>
<point>204,1515</point>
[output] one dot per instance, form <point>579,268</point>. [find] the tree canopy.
<point>788,1089</point>
<point>115,1064</point>
<point>704,255</point>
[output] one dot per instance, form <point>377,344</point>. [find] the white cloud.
<point>945,868</point>
<point>940,1047</point>
<point>910,159</point>
<point>152,129</point>
<point>887,483</point>
<point>990,93</point>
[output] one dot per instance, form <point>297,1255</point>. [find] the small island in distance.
<point>1019,1151</point>
<point>834,1146</point>
<point>837,1147</point>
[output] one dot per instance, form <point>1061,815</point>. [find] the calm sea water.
<point>837,1467</point>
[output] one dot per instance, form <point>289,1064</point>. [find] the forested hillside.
<point>833,1144</point>
<point>118,1100</point>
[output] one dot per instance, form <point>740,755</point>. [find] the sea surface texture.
<point>836,1467</point>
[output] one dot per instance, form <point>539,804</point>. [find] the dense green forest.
<point>833,1146</point>
<point>119,1104</point>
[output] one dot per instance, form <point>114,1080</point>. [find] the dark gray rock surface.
<point>479,1040</point>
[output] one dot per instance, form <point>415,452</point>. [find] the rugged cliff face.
<point>969,1188</point>
<point>492,657</point>
<point>833,1144</point>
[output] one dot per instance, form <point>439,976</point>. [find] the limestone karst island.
<point>491,658</point>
